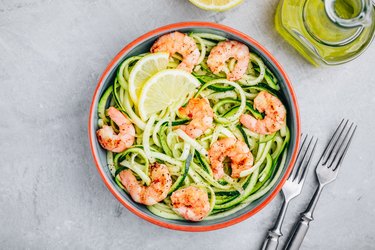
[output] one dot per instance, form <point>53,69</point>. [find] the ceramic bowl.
<point>143,44</point>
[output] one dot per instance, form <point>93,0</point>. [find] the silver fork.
<point>326,172</point>
<point>291,189</point>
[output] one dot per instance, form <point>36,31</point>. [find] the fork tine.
<point>297,163</point>
<point>302,158</point>
<point>309,154</point>
<point>332,142</point>
<point>339,144</point>
<point>343,150</point>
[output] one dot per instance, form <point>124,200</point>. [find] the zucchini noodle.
<point>161,138</point>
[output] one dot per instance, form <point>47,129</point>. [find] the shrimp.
<point>116,142</point>
<point>236,150</point>
<point>161,183</point>
<point>191,203</point>
<point>182,44</point>
<point>225,50</point>
<point>200,111</point>
<point>275,114</point>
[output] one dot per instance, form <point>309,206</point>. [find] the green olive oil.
<point>306,25</point>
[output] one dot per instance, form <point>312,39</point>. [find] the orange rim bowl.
<point>142,44</point>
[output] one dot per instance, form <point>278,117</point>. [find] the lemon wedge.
<point>166,89</point>
<point>143,70</point>
<point>216,5</point>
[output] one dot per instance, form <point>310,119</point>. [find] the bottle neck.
<point>361,18</point>
<point>341,22</point>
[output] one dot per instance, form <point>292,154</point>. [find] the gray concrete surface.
<point>51,196</point>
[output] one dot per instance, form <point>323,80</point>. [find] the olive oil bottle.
<point>327,32</point>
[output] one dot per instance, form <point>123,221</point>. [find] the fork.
<point>291,189</point>
<point>326,172</point>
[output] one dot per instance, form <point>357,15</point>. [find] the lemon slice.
<point>166,89</point>
<point>143,70</point>
<point>216,5</point>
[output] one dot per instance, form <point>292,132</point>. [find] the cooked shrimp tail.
<point>275,114</point>
<point>191,203</point>
<point>222,52</point>
<point>111,141</point>
<point>177,42</point>
<point>161,182</point>
<point>200,111</point>
<point>236,150</point>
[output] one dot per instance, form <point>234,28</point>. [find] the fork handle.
<point>299,233</point>
<point>271,242</point>
<point>301,228</point>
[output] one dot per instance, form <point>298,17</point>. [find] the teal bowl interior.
<point>143,46</point>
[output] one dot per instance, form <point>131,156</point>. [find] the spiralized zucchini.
<point>160,139</point>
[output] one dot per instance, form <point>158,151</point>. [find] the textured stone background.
<point>51,196</point>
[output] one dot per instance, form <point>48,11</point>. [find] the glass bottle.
<point>327,32</point>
